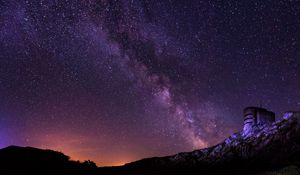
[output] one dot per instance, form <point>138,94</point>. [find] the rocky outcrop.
<point>271,146</point>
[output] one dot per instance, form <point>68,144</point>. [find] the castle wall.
<point>249,121</point>
<point>265,117</point>
<point>254,116</point>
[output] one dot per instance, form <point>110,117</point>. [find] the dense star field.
<point>114,81</point>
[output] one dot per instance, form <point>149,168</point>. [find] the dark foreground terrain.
<point>271,150</point>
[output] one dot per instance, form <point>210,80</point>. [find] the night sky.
<point>114,81</point>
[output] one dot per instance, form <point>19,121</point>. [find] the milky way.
<point>116,81</point>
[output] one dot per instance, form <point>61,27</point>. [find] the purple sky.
<point>116,80</point>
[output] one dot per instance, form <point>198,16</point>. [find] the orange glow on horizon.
<point>81,148</point>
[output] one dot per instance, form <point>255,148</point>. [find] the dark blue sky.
<point>115,81</point>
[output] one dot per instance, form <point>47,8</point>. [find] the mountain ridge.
<point>266,148</point>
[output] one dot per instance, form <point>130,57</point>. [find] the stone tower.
<point>255,116</point>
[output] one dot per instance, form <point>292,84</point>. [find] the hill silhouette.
<point>28,160</point>
<point>270,150</point>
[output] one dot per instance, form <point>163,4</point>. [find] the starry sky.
<point>115,81</point>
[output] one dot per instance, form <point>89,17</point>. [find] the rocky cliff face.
<point>266,147</point>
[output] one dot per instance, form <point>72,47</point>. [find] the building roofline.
<point>254,108</point>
